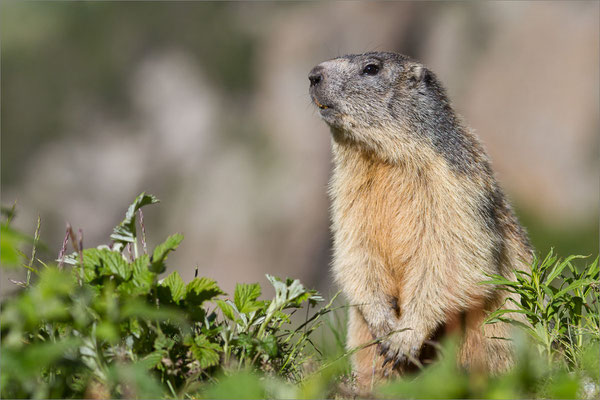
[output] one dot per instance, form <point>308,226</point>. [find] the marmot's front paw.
<point>399,351</point>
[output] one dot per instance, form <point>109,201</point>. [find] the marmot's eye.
<point>371,69</point>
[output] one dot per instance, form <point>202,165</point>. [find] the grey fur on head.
<point>394,95</point>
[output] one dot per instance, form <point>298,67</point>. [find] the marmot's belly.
<point>450,250</point>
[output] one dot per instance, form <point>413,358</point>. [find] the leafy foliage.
<point>109,327</point>
<point>563,309</point>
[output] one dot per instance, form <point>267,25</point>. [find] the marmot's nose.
<point>316,75</point>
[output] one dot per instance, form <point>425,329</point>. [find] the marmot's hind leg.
<point>367,362</point>
<point>486,347</point>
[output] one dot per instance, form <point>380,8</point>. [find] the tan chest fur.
<point>407,227</point>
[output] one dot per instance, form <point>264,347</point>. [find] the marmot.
<point>417,216</point>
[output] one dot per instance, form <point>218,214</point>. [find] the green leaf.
<point>100,262</point>
<point>163,342</point>
<point>575,285</point>
<point>558,268</point>
<point>30,360</point>
<point>10,241</point>
<point>140,309</point>
<point>290,293</point>
<point>499,280</point>
<point>153,359</point>
<point>228,308</point>
<point>493,317</point>
<point>162,250</point>
<point>175,285</point>
<point>205,352</point>
<point>245,297</point>
<point>593,270</point>
<point>142,279</point>
<point>125,232</point>
<point>115,263</point>
<point>269,346</point>
<point>201,289</point>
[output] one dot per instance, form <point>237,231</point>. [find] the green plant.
<point>101,323</point>
<point>562,308</point>
<point>108,326</point>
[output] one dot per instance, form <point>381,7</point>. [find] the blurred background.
<point>206,106</point>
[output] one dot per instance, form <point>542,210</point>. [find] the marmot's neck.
<point>406,157</point>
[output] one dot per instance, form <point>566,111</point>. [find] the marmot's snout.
<point>318,92</point>
<point>316,75</point>
<point>325,91</point>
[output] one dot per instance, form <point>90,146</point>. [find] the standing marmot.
<point>418,217</point>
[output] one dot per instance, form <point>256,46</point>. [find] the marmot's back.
<point>418,217</point>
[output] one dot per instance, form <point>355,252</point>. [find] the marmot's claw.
<point>383,349</point>
<point>400,360</point>
<point>388,359</point>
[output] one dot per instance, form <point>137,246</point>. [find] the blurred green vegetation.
<point>577,238</point>
<point>54,54</point>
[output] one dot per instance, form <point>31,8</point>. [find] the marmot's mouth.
<point>321,106</point>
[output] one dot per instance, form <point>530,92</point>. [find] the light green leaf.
<point>10,241</point>
<point>162,250</point>
<point>245,297</point>
<point>99,262</point>
<point>153,359</point>
<point>493,317</point>
<point>558,268</point>
<point>125,232</point>
<point>176,285</point>
<point>575,285</point>
<point>201,289</point>
<point>205,352</point>
<point>228,308</point>
<point>142,277</point>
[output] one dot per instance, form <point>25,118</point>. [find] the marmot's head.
<point>375,98</point>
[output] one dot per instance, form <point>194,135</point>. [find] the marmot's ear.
<point>417,74</point>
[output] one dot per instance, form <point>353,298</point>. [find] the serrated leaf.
<point>175,285</point>
<point>125,232</point>
<point>162,250</point>
<point>228,308</point>
<point>142,279</point>
<point>285,292</point>
<point>205,352</point>
<point>201,289</point>
<point>163,342</point>
<point>245,297</point>
<point>115,263</point>
<point>100,262</point>
<point>270,346</point>
<point>153,359</point>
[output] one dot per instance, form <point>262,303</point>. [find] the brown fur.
<point>411,242</point>
<point>414,238</point>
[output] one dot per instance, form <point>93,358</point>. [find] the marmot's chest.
<point>394,213</point>
<point>379,204</point>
